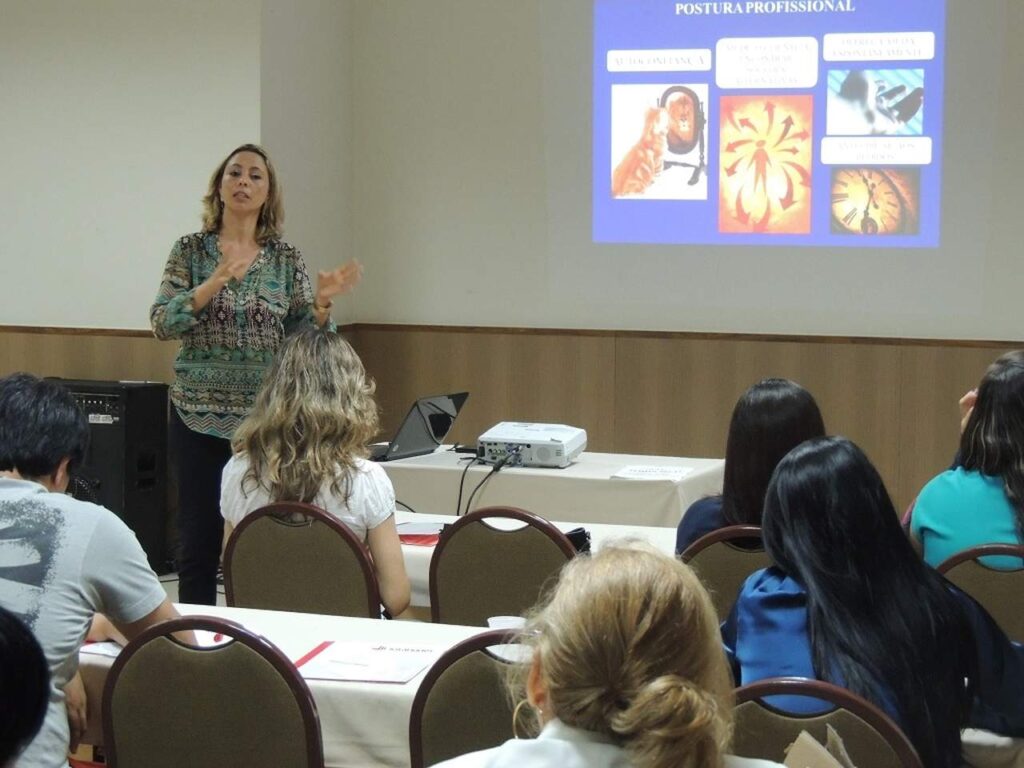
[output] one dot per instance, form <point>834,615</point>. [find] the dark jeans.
<point>200,459</point>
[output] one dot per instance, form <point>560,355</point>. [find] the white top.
<point>62,561</point>
<point>561,746</point>
<point>371,501</point>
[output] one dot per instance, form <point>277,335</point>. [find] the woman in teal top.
<point>981,501</point>
<point>230,293</point>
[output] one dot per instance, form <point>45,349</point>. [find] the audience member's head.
<point>313,416</point>
<point>771,418</point>
<point>43,432</point>
<point>24,686</point>
<point>879,618</point>
<point>993,438</point>
<point>627,646</point>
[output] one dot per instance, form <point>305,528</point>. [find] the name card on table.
<point>653,472</point>
<point>367,662</point>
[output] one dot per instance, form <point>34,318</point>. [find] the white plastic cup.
<point>506,622</point>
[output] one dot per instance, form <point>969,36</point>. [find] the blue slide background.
<point>653,24</point>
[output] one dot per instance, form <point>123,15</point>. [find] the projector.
<point>532,445</point>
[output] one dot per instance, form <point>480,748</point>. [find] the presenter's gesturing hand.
<point>335,282</point>
<point>227,270</point>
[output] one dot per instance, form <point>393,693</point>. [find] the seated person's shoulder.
<point>705,507</point>
<point>952,482</point>
<point>373,469</point>
<point>770,588</point>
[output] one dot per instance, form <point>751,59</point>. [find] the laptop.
<point>424,428</point>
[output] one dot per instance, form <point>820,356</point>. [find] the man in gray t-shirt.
<point>62,561</point>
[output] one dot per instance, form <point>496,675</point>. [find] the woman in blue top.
<point>850,602</point>
<point>980,501</point>
<point>770,418</point>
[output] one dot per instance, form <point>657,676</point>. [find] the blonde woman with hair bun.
<point>305,440</point>
<point>627,670</point>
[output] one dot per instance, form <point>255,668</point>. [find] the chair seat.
<point>167,704</point>
<point>871,738</point>
<point>478,571</point>
<point>1000,591</point>
<point>290,556</point>
<point>465,686</point>
<point>724,559</point>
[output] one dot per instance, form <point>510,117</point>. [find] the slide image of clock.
<point>875,201</point>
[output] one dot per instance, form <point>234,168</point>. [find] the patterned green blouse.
<point>228,344</point>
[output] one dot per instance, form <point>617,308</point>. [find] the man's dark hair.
<point>40,424</point>
<point>24,686</point>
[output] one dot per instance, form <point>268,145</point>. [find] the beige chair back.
<point>296,557</point>
<point>723,564</point>
<point>1000,592</point>
<point>478,570</point>
<point>462,704</point>
<point>871,738</point>
<point>167,704</point>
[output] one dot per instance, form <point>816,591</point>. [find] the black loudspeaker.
<point>125,469</point>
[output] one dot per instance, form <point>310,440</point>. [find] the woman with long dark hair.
<point>849,601</point>
<point>770,418</point>
<point>981,500</point>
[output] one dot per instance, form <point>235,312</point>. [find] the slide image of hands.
<point>658,137</point>
<point>765,158</point>
<point>871,102</point>
<point>876,201</point>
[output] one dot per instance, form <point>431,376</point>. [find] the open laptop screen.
<point>425,426</point>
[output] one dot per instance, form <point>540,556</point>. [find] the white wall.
<point>446,144</point>
<point>114,114</point>
<point>472,155</point>
<point>448,154</point>
<point>306,111</point>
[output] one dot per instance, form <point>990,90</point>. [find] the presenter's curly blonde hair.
<point>628,646</point>
<point>313,416</point>
<point>271,219</point>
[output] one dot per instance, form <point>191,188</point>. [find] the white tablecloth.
<point>417,558</point>
<point>363,724</point>
<point>584,492</point>
<point>367,724</point>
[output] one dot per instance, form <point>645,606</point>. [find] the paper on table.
<point>106,648</point>
<point>651,472</point>
<point>369,662</point>
<point>294,649</point>
<point>419,529</point>
<point>109,648</point>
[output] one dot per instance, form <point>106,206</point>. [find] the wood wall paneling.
<point>74,355</point>
<point>565,379</point>
<point>633,392</point>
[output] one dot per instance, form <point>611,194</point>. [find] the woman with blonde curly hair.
<point>305,440</point>
<point>627,670</point>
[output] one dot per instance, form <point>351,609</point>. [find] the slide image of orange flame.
<point>764,179</point>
